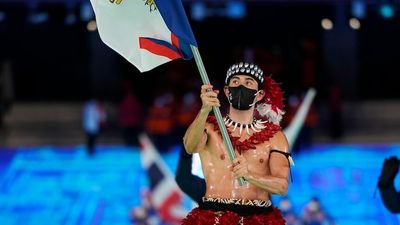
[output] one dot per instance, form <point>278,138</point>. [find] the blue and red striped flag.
<point>147,33</point>
<point>165,193</point>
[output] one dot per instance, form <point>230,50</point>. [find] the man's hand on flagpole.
<point>240,167</point>
<point>209,97</point>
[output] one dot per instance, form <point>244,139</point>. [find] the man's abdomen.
<point>226,186</point>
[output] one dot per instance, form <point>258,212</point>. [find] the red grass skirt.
<point>209,217</point>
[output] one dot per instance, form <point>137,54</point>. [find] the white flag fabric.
<point>147,33</point>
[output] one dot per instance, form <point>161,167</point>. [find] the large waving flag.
<point>147,33</point>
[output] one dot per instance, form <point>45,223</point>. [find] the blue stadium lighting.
<point>198,11</point>
<point>358,9</point>
<point>236,9</point>
<point>387,11</point>
<point>70,19</point>
<point>38,17</point>
<point>86,12</point>
<point>2,16</point>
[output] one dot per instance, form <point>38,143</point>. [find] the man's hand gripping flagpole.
<point>217,112</point>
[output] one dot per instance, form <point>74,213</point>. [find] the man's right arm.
<point>195,138</point>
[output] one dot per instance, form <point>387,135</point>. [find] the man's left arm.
<point>277,182</point>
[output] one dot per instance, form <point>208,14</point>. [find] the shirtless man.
<point>261,151</point>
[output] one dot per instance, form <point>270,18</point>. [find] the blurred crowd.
<point>164,120</point>
<point>163,102</point>
<point>163,105</point>
<point>312,213</point>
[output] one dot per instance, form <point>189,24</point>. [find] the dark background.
<point>54,61</point>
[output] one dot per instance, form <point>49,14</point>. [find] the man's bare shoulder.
<point>279,142</point>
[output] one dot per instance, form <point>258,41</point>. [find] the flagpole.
<point>217,112</point>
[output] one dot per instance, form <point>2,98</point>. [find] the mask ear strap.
<point>229,96</point>
<point>255,97</point>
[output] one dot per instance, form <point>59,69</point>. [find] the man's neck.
<point>241,116</point>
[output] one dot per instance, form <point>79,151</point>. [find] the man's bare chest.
<point>256,158</point>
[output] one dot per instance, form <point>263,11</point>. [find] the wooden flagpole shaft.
<point>217,112</point>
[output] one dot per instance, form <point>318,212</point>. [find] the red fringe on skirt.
<point>209,217</point>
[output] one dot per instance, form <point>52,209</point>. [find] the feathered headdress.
<point>271,106</point>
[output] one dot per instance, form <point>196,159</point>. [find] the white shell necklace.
<point>256,125</point>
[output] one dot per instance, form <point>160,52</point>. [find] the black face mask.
<point>241,98</point>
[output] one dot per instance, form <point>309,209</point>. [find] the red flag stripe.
<point>175,40</point>
<point>158,49</point>
<point>165,209</point>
